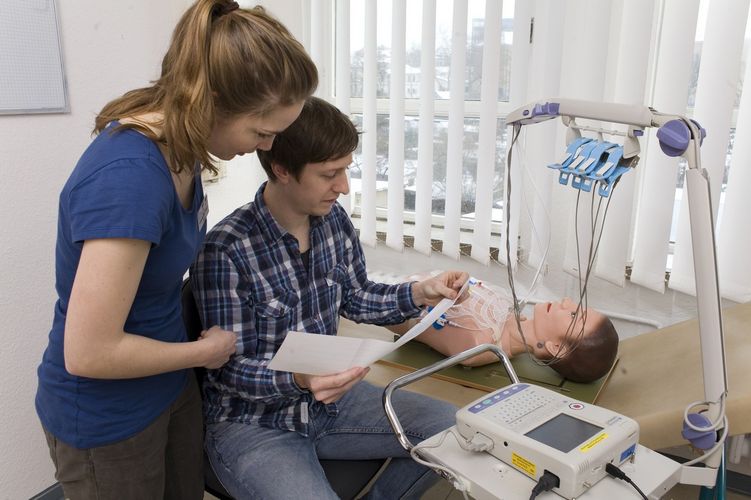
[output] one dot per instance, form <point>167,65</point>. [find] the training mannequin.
<point>580,344</point>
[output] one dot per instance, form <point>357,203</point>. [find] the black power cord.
<point>547,482</point>
<point>617,473</point>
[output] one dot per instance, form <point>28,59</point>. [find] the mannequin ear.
<point>553,348</point>
<point>282,174</point>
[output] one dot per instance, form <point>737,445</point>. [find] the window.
<point>432,105</point>
<point>441,94</point>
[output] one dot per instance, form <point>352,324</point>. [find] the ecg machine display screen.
<point>564,432</point>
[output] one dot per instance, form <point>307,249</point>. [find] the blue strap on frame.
<point>615,169</point>
<point>572,151</point>
<point>582,179</point>
<point>575,153</point>
<point>591,162</point>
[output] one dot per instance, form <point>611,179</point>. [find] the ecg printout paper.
<point>316,354</point>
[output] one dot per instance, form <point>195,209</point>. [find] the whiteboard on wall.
<point>32,75</point>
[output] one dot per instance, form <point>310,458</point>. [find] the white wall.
<point>294,14</point>
<point>109,47</point>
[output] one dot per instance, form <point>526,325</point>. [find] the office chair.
<point>347,477</point>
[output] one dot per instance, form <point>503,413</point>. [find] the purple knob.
<point>674,137</point>
<point>703,440</point>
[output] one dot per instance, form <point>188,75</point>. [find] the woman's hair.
<point>222,61</point>
<point>591,356</point>
<point>321,133</point>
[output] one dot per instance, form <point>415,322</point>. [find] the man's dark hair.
<point>321,133</point>
<point>592,356</point>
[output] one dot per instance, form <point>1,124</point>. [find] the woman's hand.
<point>432,290</point>
<point>330,388</point>
<point>220,346</point>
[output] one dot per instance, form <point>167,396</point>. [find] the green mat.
<point>415,355</point>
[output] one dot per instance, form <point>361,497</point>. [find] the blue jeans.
<point>262,463</point>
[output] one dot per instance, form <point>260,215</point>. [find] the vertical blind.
<point>454,152</point>
<point>424,180</point>
<point>395,228</point>
<point>343,78</point>
<point>543,66</point>
<point>369,125</point>
<point>585,23</point>
<point>634,52</point>
<point>672,73</point>
<point>488,122</point>
<point>715,99</point>
<point>625,77</point>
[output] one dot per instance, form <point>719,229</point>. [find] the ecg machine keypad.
<point>509,405</point>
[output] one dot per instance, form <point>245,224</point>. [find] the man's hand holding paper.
<point>303,353</point>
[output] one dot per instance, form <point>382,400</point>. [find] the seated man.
<point>580,344</point>
<point>291,260</point>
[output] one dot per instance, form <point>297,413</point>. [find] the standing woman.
<point>117,397</point>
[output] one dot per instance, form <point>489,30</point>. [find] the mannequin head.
<point>582,343</point>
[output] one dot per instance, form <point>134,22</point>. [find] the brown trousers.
<point>164,461</point>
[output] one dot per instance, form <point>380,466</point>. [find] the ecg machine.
<point>535,429</point>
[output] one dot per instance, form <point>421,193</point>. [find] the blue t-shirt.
<point>120,188</point>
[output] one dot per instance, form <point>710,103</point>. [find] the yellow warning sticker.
<point>593,443</point>
<point>523,464</point>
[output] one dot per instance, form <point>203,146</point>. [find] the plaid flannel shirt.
<point>250,278</point>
